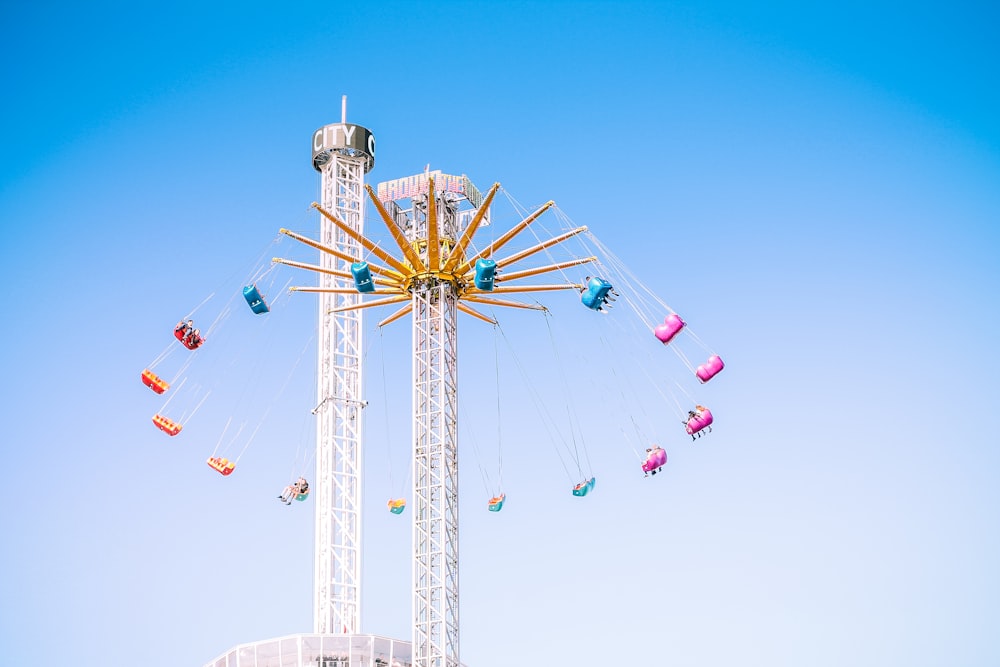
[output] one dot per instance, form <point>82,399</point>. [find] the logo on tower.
<point>345,139</point>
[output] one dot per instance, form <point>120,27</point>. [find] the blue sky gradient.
<point>816,190</point>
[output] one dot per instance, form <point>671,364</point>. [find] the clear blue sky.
<point>816,189</point>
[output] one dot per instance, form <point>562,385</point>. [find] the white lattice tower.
<point>337,488</point>
<point>435,460</point>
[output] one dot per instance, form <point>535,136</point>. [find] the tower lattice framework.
<point>435,452</point>
<point>337,582</point>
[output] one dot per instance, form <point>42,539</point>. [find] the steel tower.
<point>434,304</point>
<point>343,154</point>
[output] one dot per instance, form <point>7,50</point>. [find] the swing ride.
<point>436,269</point>
<point>433,287</point>
<point>436,275</point>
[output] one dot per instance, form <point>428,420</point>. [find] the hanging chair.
<point>397,506</point>
<point>153,381</point>
<point>222,465</point>
<point>168,426</point>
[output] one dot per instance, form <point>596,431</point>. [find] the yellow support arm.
<point>339,274</point>
<point>311,267</point>
<point>397,235</point>
<point>433,240</point>
<point>503,240</point>
<point>368,245</point>
<point>342,290</point>
<point>542,269</point>
<point>473,292</point>
<point>370,304</point>
<point>501,302</point>
<point>475,313</point>
<point>516,257</point>
<point>375,268</point>
<point>459,250</point>
<point>398,314</point>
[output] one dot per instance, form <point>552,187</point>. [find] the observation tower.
<point>432,218</point>
<point>343,154</point>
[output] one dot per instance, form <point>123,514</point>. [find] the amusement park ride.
<point>432,275</point>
